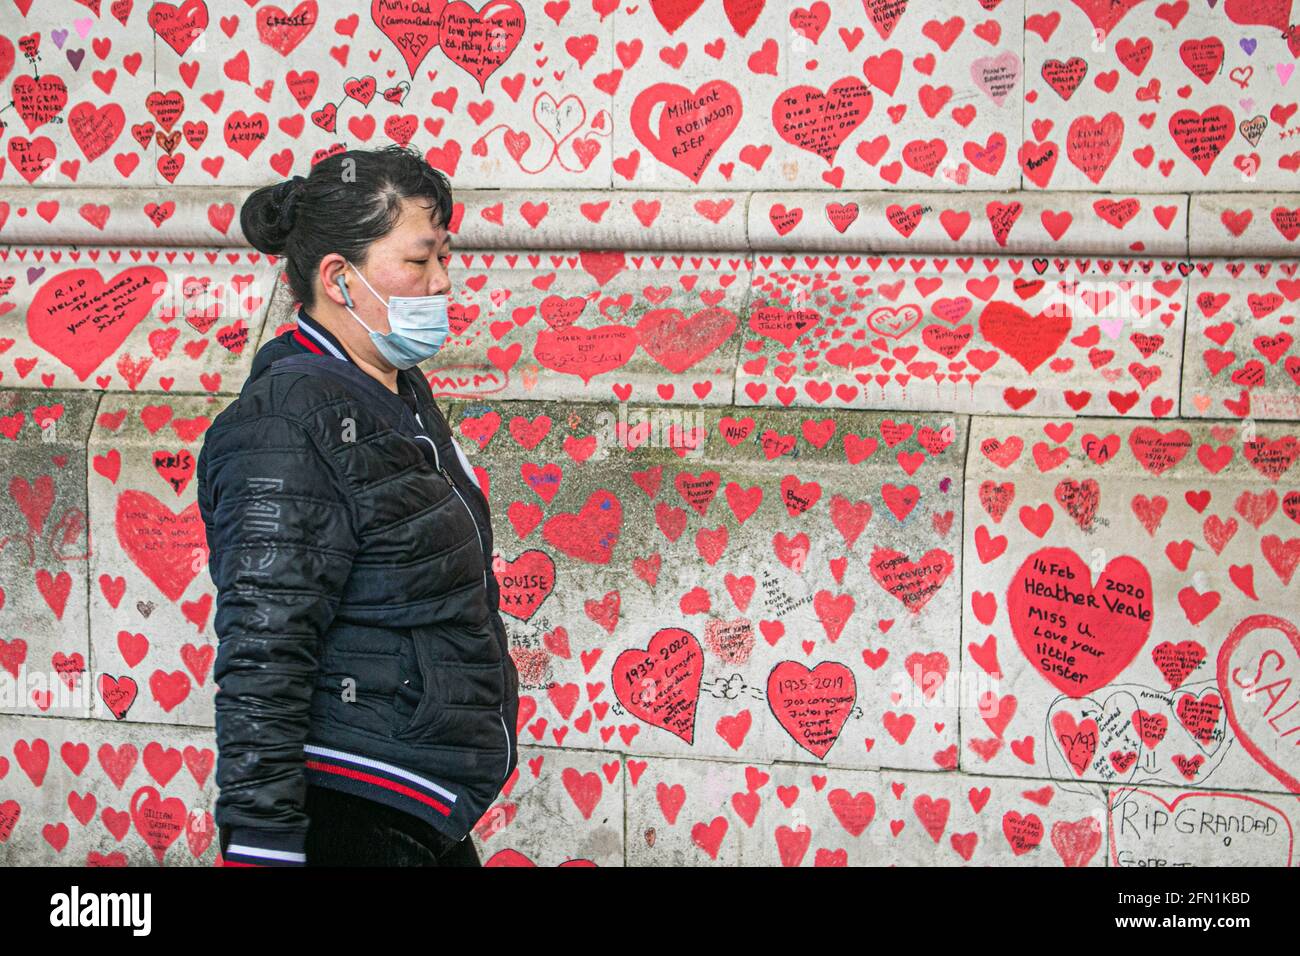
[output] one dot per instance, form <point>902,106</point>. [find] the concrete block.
<point>992,336</point>
<point>481,218</point>
<point>1129,603</point>
<point>44,551</point>
<point>1155,97</point>
<point>697,813</point>
<point>822,98</point>
<point>190,217</point>
<point>83,793</point>
<point>559,808</point>
<point>155,320</point>
<point>786,590</point>
<point>151,597</point>
<point>1253,224</point>
<point>276,97</point>
<point>86,108</point>
<point>1240,357</point>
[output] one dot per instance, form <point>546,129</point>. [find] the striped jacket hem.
<point>384,782</point>
<point>253,847</point>
<point>352,773</point>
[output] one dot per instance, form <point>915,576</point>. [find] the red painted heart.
<point>1077,635</point>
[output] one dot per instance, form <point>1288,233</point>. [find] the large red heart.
<point>914,583</point>
<point>1202,135</point>
<point>1078,635</point>
<point>783,325</point>
<point>1158,451</point>
<point>671,14</point>
<point>81,319</point>
<point>161,543</point>
<point>1266,13</point>
<point>1104,14</point>
<point>282,31</point>
<point>157,820</point>
<point>1092,144</point>
<point>677,341</point>
<point>95,128</point>
<point>812,705</point>
<point>661,684</point>
<point>743,13</point>
<point>692,126</point>
<point>6,57</point>
<point>592,533</point>
<point>411,25</point>
<point>585,352</point>
<point>178,27</point>
<point>1029,339</point>
<point>480,42</point>
<point>819,122</point>
<point>884,16</point>
<point>1077,740</point>
<point>525,582</point>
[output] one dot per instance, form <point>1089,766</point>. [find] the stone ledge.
<point>1059,222</point>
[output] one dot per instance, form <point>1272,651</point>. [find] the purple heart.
<point>1249,46</point>
<point>75,57</point>
<point>34,273</point>
<point>58,36</point>
<point>945,485</point>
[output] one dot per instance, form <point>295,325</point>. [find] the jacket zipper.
<point>443,471</point>
<point>483,549</point>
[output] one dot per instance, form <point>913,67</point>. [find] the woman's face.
<point>412,260</point>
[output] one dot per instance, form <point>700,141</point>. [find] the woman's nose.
<point>441,283</point>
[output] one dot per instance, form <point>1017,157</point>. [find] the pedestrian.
<point>366,700</point>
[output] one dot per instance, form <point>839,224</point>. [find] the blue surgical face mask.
<point>418,326</point>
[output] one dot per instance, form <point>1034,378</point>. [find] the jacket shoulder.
<point>285,400</point>
<point>288,426</point>
<point>287,422</point>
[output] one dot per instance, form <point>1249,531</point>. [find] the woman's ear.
<point>339,282</point>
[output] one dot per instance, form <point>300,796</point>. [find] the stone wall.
<point>889,416</point>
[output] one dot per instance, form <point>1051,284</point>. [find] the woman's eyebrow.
<point>428,243</point>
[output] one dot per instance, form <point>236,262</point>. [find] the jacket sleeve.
<point>281,539</point>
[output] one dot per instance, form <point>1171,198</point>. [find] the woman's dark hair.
<point>348,201</point>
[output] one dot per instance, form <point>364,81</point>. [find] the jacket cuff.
<point>253,847</point>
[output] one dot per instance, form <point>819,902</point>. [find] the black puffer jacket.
<point>360,647</point>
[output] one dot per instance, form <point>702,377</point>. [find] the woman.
<point>366,702</point>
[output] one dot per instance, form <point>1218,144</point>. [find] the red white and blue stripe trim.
<point>315,338</point>
<point>379,780</point>
<point>352,773</point>
<point>255,847</point>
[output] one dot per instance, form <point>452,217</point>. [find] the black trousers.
<point>347,830</point>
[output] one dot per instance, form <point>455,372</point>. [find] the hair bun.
<point>268,214</point>
<point>287,194</point>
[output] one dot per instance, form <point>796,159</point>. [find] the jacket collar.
<point>314,337</point>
